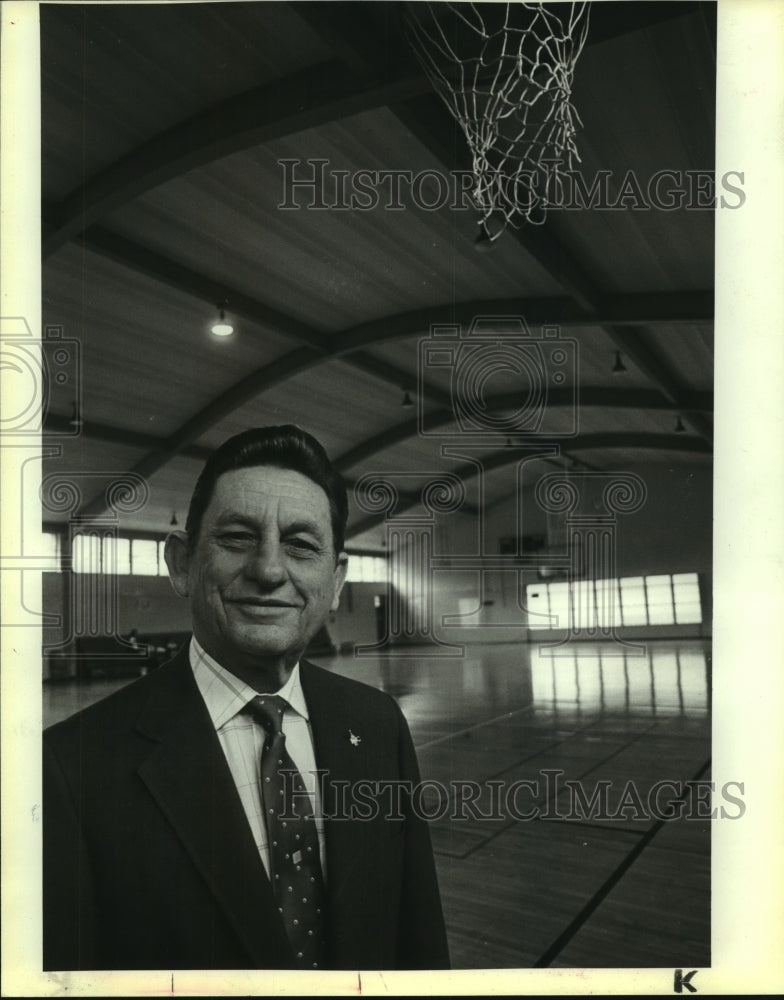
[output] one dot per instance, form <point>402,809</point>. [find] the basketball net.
<point>505,72</point>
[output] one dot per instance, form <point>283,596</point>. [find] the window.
<point>559,604</point>
<point>366,568</point>
<point>87,553</point>
<point>118,556</point>
<point>660,599</point>
<point>686,595</point>
<point>633,611</point>
<point>144,557</point>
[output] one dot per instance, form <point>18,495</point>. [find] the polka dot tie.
<point>295,867</point>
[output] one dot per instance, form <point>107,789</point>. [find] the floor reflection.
<point>450,693</point>
<point>668,679</point>
<point>564,893</point>
<point>671,678</point>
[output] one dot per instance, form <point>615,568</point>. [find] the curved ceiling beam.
<point>316,95</point>
<point>507,456</point>
<point>138,258</point>
<point>593,396</point>
<point>630,310</point>
<point>610,397</point>
<point>241,392</point>
<point>321,346</point>
<point>97,431</point>
<point>148,166</point>
<point>437,133</point>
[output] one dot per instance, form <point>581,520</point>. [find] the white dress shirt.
<point>242,739</point>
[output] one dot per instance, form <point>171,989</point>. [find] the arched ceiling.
<point>169,133</point>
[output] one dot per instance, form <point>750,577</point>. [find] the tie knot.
<point>268,709</point>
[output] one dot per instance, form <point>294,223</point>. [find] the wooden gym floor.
<point>536,879</point>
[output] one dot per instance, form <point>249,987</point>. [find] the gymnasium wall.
<point>671,533</point>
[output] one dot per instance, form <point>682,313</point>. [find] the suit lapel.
<point>189,778</point>
<point>334,722</point>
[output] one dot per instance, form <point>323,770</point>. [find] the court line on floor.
<point>540,800</point>
<point>471,729</point>
<point>609,884</point>
<point>526,709</point>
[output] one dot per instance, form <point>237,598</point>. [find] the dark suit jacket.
<point>149,862</point>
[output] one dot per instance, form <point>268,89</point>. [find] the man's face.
<point>262,575</point>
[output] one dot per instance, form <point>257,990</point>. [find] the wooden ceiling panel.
<point>339,280</point>
<point>595,356</point>
<point>640,251</point>
<point>329,267</point>
<point>83,468</point>
<point>149,359</point>
<point>683,452</point>
<point>666,71</point>
<point>690,351</point>
<point>625,420</point>
<point>334,402</point>
<point>417,455</point>
<point>170,493</point>
<point>92,466</point>
<point>598,358</point>
<point>114,76</point>
<point>646,103</point>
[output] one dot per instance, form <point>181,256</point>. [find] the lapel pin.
<point>354,739</point>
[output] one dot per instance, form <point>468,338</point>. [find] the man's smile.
<point>262,605</point>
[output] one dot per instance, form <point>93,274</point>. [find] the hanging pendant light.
<point>222,327</point>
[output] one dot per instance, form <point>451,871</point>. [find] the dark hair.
<point>286,447</point>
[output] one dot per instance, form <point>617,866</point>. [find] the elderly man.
<point>205,816</point>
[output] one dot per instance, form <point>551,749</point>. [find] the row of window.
<point>144,557</point>
<point>119,556</point>
<point>661,599</point>
<point>669,680</point>
<point>367,569</point>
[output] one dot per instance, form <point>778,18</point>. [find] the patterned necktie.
<point>295,867</point>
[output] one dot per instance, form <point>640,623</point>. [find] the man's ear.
<point>177,559</point>
<point>339,579</point>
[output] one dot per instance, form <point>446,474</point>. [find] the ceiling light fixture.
<point>619,367</point>
<point>679,427</point>
<point>221,327</point>
<point>407,401</point>
<point>174,522</point>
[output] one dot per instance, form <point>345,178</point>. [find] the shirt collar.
<point>225,695</point>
